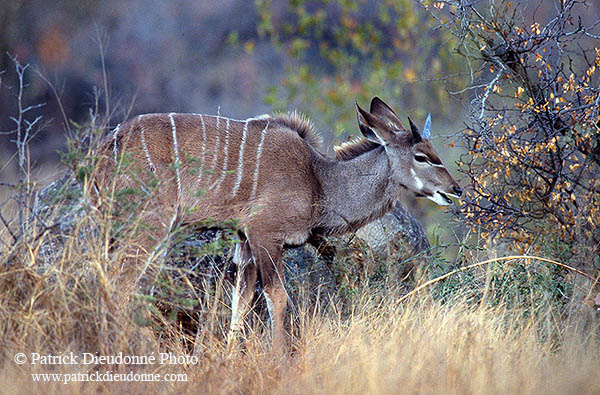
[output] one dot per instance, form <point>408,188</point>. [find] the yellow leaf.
<point>591,70</point>
<point>410,75</point>
<point>519,92</point>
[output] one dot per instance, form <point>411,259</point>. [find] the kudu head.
<point>414,163</point>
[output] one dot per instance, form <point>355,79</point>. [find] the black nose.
<point>457,190</point>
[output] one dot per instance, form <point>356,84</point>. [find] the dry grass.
<point>422,348</point>
<point>82,304</point>
<point>88,299</point>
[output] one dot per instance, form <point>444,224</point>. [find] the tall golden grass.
<point>85,301</point>
<point>422,348</point>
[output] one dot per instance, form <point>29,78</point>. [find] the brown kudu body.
<point>271,176</point>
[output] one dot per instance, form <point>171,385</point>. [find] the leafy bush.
<point>532,144</point>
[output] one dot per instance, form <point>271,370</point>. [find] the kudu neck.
<point>355,191</point>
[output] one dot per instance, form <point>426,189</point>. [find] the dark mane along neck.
<point>353,148</point>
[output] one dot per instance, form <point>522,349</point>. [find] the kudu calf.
<point>271,175</point>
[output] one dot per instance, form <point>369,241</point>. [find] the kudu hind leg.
<point>276,298</point>
<point>242,289</point>
<point>271,272</point>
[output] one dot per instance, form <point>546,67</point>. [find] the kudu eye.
<point>421,158</point>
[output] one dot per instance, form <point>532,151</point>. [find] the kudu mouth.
<point>447,198</point>
<point>456,194</point>
<point>441,198</point>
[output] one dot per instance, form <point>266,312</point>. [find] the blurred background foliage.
<point>527,177</point>
<point>342,51</point>
<point>158,56</point>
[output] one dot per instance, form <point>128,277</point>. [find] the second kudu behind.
<point>270,175</point>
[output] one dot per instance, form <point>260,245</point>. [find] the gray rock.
<point>397,234</point>
<point>64,216</point>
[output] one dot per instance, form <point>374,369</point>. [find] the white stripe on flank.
<point>240,167</point>
<point>203,157</point>
<point>258,154</point>
<point>203,144</point>
<point>145,146</point>
<point>213,166</point>
<point>226,148</point>
<point>217,183</point>
<point>115,133</point>
<point>176,149</point>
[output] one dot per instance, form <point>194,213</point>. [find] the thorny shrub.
<point>533,149</point>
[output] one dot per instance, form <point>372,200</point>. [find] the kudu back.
<point>271,176</point>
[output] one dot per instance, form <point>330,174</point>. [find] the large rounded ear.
<point>372,127</point>
<point>416,136</point>
<point>385,112</point>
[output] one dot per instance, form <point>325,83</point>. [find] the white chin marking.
<point>439,199</point>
